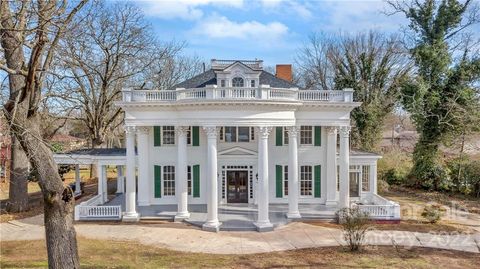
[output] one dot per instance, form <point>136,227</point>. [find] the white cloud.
<point>356,16</point>
<point>287,7</point>
<point>183,9</point>
<point>221,27</point>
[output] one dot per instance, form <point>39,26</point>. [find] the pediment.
<point>237,151</point>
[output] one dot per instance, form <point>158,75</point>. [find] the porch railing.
<point>379,208</point>
<point>229,93</point>
<point>93,210</point>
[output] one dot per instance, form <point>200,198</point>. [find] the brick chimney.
<point>284,71</point>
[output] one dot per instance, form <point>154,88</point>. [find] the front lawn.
<point>113,254</point>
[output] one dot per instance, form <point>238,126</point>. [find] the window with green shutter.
<point>196,180</point>
<point>157,136</point>
<point>317,176</point>
<point>157,175</point>
<point>279,181</point>
<point>279,136</point>
<point>318,136</point>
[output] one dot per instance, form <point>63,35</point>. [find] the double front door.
<point>237,186</point>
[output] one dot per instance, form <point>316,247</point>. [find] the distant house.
<point>64,142</point>
<point>236,145</point>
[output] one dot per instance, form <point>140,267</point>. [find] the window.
<point>189,179</point>
<point>168,135</point>
<point>237,134</point>
<point>306,180</point>
<point>366,178</point>
<point>169,180</point>
<point>222,83</point>
<point>252,83</point>
<point>243,134</point>
<point>189,135</point>
<point>237,82</point>
<point>285,180</point>
<point>230,134</point>
<point>306,135</point>
<point>285,136</point>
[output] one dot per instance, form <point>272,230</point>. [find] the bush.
<point>355,225</point>
<point>433,213</point>
<point>465,176</point>
<point>382,186</point>
<point>394,167</point>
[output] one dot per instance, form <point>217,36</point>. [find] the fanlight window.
<point>237,82</point>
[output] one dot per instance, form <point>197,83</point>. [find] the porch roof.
<point>105,156</point>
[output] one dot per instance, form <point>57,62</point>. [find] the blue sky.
<point>271,30</point>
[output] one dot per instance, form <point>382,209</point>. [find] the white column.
<point>293,193</point>
<point>78,189</point>
<point>212,223</point>
<point>373,178</point>
<point>181,174</point>
<point>100,184</point>
<point>130,211</point>
<point>105,183</point>
<point>120,179</point>
<point>331,159</point>
<point>344,200</point>
<point>143,166</point>
<point>263,221</point>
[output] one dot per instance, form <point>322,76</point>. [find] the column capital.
<point>292,131</point>
<point>264,131</point>
<point>130,129</point>
<point>345,131</point>
<point>181,130</point>
<point>211,131</point>
<point>331,130</point>
<point>143,130</point>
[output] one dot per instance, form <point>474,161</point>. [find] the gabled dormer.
<point>238,74</point>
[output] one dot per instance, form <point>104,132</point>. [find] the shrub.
<point>382,186</point>
<point>355,225</point>
<point>394,167</point>
<point>465,176</point>
<point>433,213</point>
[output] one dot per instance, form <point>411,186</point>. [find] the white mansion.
<point>236,138</point>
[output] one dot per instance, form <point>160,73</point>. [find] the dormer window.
<point>237,82</point>
<point>222,83</point>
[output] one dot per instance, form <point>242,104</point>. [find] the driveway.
<point>182,237</point>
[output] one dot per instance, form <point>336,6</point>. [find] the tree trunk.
<point>18,189</point>
<point>58,198</point>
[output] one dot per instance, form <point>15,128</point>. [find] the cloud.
<point>297,8</point>
<point>221,27</point>
<point>183,9</point>
<point>357,16</point>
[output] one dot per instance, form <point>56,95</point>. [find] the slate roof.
<point>99,152</point>
<point>209,78</point>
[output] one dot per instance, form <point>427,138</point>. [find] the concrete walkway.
<point>187,238</point>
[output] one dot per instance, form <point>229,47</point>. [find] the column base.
<point>131,217</point>
<point>331,203</point>
<point>180,216</point>
<point>263,226</point>
<point>211,226</point>
<point>294,215</point>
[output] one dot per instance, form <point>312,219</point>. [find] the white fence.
<point>229,93</point>
<point>379,208</point>
<point>92,210</point>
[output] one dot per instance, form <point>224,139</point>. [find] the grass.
<point>114,254</point>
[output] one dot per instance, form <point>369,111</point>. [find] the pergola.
<point>102,158</point>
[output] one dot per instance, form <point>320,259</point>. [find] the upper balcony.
<point>214,93</point>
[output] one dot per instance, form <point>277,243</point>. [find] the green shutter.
<point>279,136</point>
<point>318,184</point>
<point>195,136</point>
<point>158,181</point>
<point>279,180</point>
<point>318,136</point>
<point>196,180</point>
<point>157,136</point>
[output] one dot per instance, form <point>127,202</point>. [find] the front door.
<point>237,187</point>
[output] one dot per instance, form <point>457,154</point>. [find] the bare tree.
<point>30,32</point>
<point>371,63</point>
<point>111,49</point>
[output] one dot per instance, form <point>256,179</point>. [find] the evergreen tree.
<point>442,92</point>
